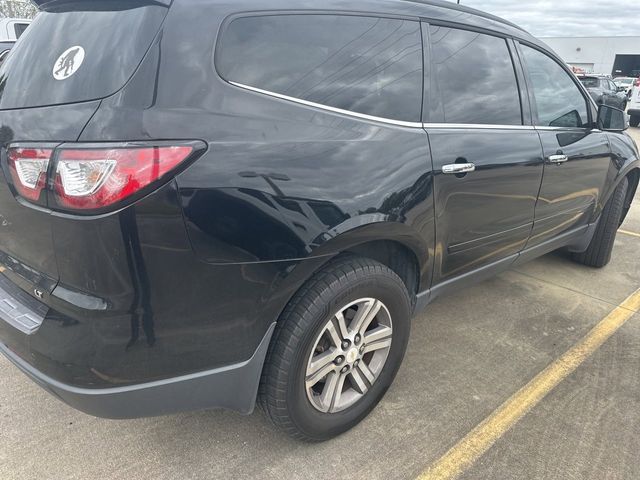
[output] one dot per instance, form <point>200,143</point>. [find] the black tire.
<point>598,254</point>
<point>283,395</point>
<point>635,121</point>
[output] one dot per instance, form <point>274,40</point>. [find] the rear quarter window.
<point>114,39</point>
<point>362,64</point>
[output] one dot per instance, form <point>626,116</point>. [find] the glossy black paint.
<point>191,277</point>
<point>571,194</point>
<point>488,214</point>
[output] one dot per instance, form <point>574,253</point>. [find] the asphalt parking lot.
<point>469,354</point>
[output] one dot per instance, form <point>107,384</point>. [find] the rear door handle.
<point>558,159</point>
<point>456,168</point>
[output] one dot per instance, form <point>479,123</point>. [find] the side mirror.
<point>622,89</point>
<point>612,119</point>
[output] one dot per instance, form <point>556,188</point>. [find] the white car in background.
<point>625,82</point>
<point>634,107</point>
<point>10,31</point>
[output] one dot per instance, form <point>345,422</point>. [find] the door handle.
<point>558,159</point>
<point>457,168</point>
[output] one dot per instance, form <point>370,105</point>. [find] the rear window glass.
<point>363,64</point>
<point>112,44</point>
<point>590,82</point>
<point>476,78</point>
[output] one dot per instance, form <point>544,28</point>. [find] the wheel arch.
<point>394,244</point>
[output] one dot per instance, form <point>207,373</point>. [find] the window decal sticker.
<point>68,63</point>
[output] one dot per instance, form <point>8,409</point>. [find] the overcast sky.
<point>567,18</point>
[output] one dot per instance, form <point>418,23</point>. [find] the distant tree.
<point>17,9</point>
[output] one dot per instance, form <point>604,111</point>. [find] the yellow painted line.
<point>627,232</point>
<point>465,453</point>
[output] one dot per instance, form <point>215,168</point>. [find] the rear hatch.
<point>73,55</point>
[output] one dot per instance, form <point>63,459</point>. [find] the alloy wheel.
<point>348,355</point>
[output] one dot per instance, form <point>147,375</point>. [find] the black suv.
<point>209,202</point>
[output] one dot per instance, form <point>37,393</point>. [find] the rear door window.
<point>102,43</point>
<point>590,82</point>
<point>362,64</point>
<point>558,99</point>
<point>475,77</point>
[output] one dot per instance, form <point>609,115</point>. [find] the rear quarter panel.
<point>279,180</point>
<point>281,189</point>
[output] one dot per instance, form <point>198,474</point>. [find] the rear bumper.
<point>232,387</point>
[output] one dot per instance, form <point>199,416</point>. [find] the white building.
<point>618,56</point>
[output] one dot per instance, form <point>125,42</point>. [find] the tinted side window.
<point>476,77</point>
<point>362,64</point>
<point>558,99</point>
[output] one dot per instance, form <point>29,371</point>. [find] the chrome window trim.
<point>477,126</point>
<point>566,129</point>
<point>363,116</point>
<point>399,123</point>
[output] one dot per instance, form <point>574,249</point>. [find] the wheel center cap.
<point>352,355</point>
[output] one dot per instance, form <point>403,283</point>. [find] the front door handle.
<point>558,159</point>
<point>457,168</point>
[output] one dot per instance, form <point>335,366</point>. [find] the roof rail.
<point>42,4</point>
<point>462,8</point>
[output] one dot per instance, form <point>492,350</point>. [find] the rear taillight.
<point>28,168</point>
<point>90,179</point>
<point>96,176</point>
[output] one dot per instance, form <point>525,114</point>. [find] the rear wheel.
<point>599,252</point>
<point>336,350</point>
<point>635,120</point>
